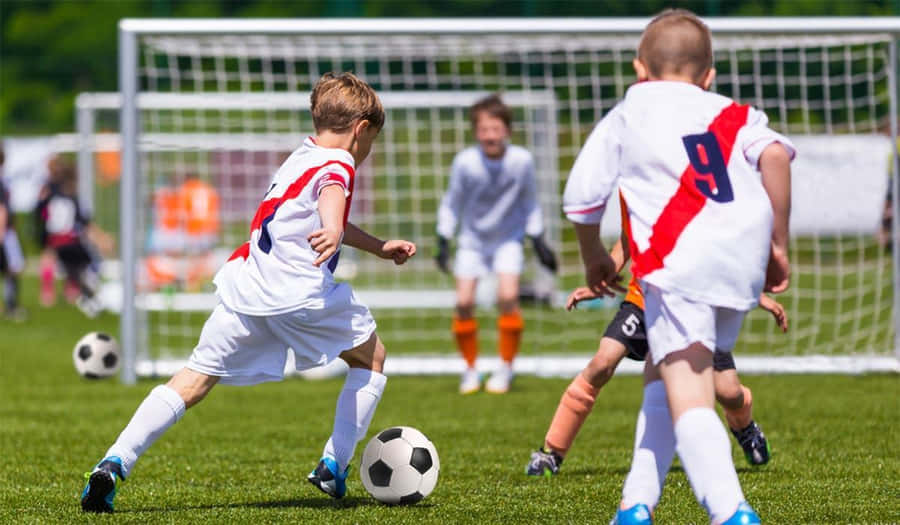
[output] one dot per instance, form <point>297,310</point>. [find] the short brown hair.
<point>340,100</point>
<point>492,105</point>
<point>677,42</point>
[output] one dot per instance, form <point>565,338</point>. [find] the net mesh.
<point>832,86</point>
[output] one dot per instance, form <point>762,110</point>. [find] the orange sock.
<point>574,407</point>
<point>510,327</point>
<point>739,418</point>
<point>466,332</point>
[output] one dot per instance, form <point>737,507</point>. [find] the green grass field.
<point>242,455</point>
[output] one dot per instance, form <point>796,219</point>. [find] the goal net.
<point>217,105</point>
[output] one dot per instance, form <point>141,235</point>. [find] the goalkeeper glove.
<point>442,255</point>
<point>544,254</point>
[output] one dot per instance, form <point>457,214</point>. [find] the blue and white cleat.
<point>744,515</point>
<point>326,478</point>
<point>636,515</point>
<point>100,490</point>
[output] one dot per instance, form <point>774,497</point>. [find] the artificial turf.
<point>242,455</point>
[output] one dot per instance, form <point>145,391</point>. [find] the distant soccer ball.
<point>96,356</point>
<point>399,465</point>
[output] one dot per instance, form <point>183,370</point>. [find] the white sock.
<point>654,448</point>
<point>705,453</point>
<point>161,409</point>
<point>355,407</point>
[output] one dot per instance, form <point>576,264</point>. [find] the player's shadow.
<point>305,503</point>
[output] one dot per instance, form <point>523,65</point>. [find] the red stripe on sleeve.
<point>687,202</point>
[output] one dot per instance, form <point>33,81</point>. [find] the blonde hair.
<point>677,42</point>
<point>340,100</point>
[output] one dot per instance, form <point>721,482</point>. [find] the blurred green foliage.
<point>52,50</point>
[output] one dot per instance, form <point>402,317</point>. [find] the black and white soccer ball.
<point>96,356</point>
<point>399,465</point>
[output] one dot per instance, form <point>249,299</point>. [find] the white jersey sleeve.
<point>452,203</point>
<point>595,172</point>
<point>756,136</point>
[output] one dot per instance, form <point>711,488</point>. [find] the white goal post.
<point>829,83</point>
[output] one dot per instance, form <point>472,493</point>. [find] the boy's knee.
<point>191,386</point>
<point>603,365</point>
<point>369,355</point>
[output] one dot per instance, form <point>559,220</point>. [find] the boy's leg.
<point>356,405</point>
<point>465,330</point>
<point>47,268</point>
<point>509,327</point>
<point>737,402</point>
<point>654,448</point>
<point>702,443</point>
<point>161,409</point>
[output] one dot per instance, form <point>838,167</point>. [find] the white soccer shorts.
<point>673,323</point>
<point>247,349</point>
<point>507,257</point>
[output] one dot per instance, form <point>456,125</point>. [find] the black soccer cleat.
<point>753,441</point>
<point>543,463</point>
<point>100,490</point>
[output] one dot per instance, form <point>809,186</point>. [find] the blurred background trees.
<point>52,50</point>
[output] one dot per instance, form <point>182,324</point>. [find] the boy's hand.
<point>397,250</point>
<point>582,293</point>
<point>602,278</point>
<point>774,307</point>
<point>778,273</point>
<point>325,242</point>
<point>443,254</point>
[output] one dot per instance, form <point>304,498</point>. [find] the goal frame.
<point>131,29</point>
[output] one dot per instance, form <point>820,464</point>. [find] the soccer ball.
<point>96,356</point>
<point>399,465</point>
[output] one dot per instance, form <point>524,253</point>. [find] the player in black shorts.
<point>626,337</point>
<point>63,230</point>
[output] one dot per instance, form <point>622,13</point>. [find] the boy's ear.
<point>708,79</point>
<point>361,126</point>
<point>640,69</point>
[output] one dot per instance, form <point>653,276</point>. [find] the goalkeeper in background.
<point>492,202</point>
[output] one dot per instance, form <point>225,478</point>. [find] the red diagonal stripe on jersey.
<point>687,201</point>
<point>268,207</point>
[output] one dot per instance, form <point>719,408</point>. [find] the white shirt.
<point>273,272</point>
<point>686,162</point>
<point>491,201</point>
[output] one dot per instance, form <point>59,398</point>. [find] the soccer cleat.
<point>753,441</point>
<point>100,490</point>
<point>326,478</point>
<point>744,515</point>
<point>500,380</point>
<point>470,382</point>
<point>543,463</point>
<point>637,515</point>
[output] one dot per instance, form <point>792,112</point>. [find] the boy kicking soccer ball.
<point>277,292</point>
<point>707,187</point>
<point>492,199</point>
<point>626,336</point>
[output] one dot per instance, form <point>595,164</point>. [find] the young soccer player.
<point>277,292</point>
<point>707,186</point>
<point>492,201</point>
<point>12,262</point>
<point>626,336</point>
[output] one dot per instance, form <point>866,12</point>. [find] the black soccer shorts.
<point>627,327</point>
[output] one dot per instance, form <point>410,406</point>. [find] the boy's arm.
<point>775,167</point>
<point>599,268</point>
<point>3,220</point>
<point>448,215</point>
<point>776,309</point>
<point>326,240</point>
<point>398,250</point>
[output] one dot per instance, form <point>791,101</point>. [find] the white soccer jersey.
<point>273,272</point>
<point>686,161</point>
<point>490,201</point>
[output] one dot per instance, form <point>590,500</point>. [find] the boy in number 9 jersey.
<point>707,186</point>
